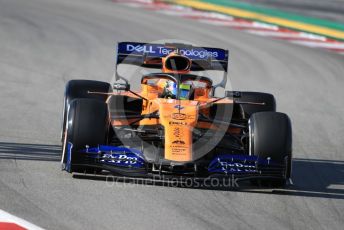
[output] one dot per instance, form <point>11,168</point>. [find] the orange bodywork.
<point>178,117</point>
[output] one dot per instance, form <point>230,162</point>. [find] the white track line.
<point>196,14</point>
<point>327,45</point>
<point>288,35</point>
<point>6,217</point>
<point>241,24</point>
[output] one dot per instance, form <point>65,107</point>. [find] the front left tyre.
<point>270,137</point>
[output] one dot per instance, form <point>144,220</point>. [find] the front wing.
<point>131,162</point>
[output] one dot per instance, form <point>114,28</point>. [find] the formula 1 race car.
<point>174,126</point>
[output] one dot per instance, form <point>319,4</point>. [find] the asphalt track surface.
<point>45,43</point>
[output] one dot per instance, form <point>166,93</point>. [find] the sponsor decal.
<point>178,123</point>
<point>198,53</point>
<point>176,132</point>
<point>179,107</point>
<point>240,170</point>
<point>119,158</point>
<point>178,142</point>
<point>161,50</point>
<point>178,116</point>
<point>140,49</point>
<point>179,150</point>
<point>230,164</point>
<point>238,167</point>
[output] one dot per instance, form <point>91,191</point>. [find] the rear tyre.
<point>88,124</point>
<point>270,136</point>
<point>80,89</point>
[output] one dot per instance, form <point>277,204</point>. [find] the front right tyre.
<point>87,125</point>
<point>82,89</point>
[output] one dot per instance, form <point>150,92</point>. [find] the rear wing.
<point>149,55</point>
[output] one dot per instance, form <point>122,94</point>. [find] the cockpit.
<point>176,86</point>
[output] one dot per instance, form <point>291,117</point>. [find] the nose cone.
<point>178,118</point>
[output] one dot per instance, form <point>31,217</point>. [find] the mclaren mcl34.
<point>175,124</point>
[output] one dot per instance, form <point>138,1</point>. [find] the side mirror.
<point>218,91</point>
<point>235,94</point>
<point>121,86</point>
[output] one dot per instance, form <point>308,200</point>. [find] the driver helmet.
<point>171,90</point>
